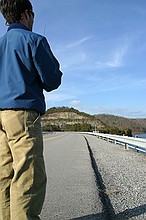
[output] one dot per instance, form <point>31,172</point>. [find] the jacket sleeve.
<point>47,66</point>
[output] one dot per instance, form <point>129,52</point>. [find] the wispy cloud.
<point>79,42</point>
<point>73,55</point>
<point>125,112</point>
<point>116,82</point>
<point>55,97</point>
<point>79,58</point>
<point>71,46</point>
<point>75,102</point>
<point>73,61</point>
<point>115,59</point>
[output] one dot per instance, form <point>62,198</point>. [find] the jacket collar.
<point>17,26</point>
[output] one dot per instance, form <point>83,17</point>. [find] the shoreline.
<point>140,135</point>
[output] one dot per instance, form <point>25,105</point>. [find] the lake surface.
<point>141,136</point>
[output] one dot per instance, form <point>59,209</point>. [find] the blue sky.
<point>101,46</point>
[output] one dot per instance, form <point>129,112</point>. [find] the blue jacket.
<point>27,66</point>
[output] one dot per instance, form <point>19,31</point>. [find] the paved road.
<point>71,190</point>
<point>92,179</point>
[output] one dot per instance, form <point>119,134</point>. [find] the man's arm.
<point>47,66</point>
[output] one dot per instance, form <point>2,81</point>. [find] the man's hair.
<point>12,9</point>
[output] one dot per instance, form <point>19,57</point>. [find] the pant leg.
<point>28,185</point>
<point>6,175</point>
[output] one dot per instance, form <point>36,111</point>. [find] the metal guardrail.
<point>137,144</point>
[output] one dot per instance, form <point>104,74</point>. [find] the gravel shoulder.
<point>124,176</point>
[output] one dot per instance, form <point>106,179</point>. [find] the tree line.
<point>86,127</point>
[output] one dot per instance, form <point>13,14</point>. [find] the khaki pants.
<point>22,170</point>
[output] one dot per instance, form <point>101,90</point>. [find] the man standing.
<point>27,67</point>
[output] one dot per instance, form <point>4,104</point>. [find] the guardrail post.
<point>126,146</point>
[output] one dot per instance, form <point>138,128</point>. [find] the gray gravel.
<point>124,177</point>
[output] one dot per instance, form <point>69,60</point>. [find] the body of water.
<point>141,136</point>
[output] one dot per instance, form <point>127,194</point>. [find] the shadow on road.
<point>127,214</point>
<point>107,207</point>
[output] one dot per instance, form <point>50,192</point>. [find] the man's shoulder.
<point>32,35</point>
<point>35,39</point>
<point>25,35</point>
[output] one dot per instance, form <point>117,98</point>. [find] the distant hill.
<point>136,125</point>
<point>65,118</point>
<point>140,122</point>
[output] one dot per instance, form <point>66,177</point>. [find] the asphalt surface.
<point>71,189</point>
<point>89,178</point>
